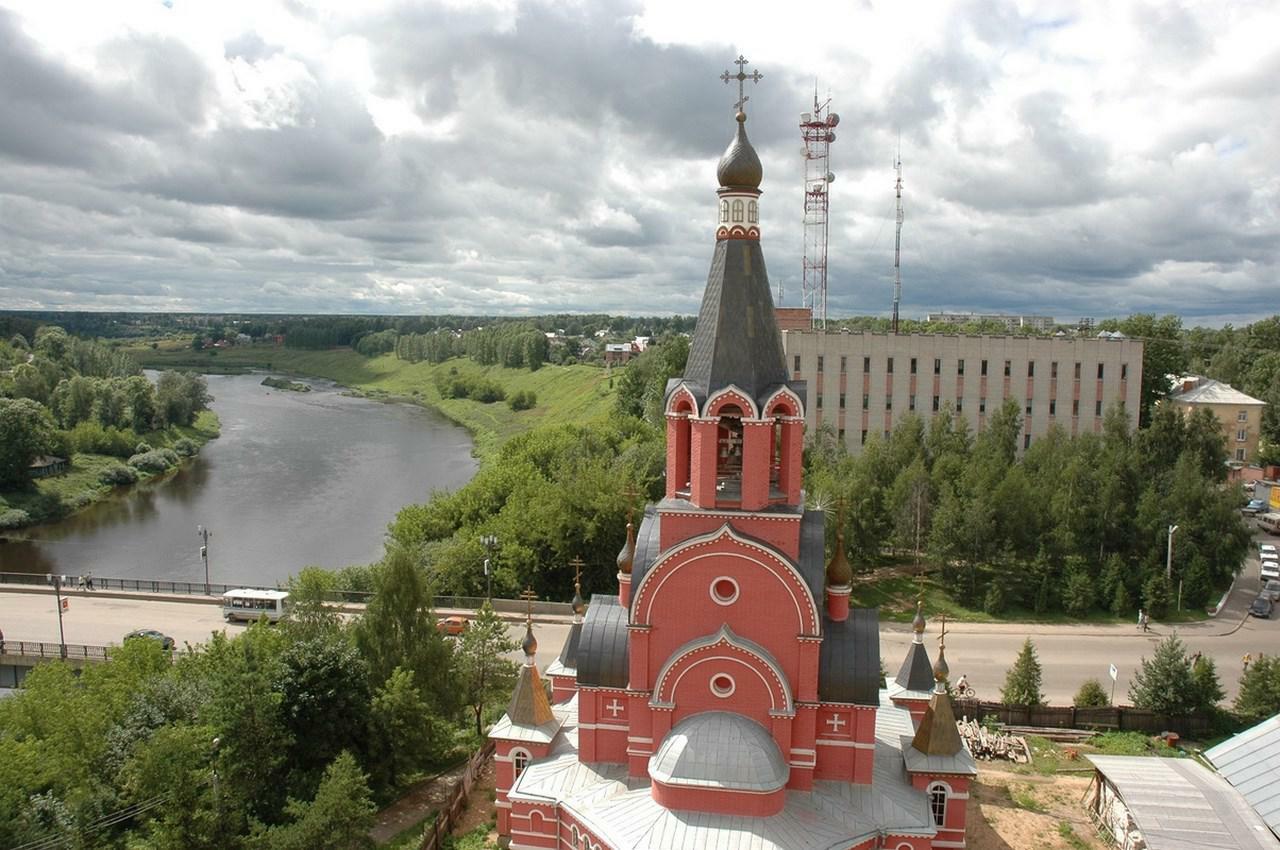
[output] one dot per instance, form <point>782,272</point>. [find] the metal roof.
<point>849,659</point>
<point>916,673</point>
<point>1178,804</point>
<point>717,749</point>
<point>568,656</point>
<point>1215,392</point>
<point>603,645</point>
<point>736,340</point>
<point>1251,762</point>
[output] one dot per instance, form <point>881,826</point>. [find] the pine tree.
<point>338,818</point>
<point>1164,683</point>
<point>1022,682</point>
<point>1204,684</point>
<point>1260,689</point>
<point>485,676</point>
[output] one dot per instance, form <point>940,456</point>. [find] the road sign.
<point>66,604</point>
<point>1114,673</point>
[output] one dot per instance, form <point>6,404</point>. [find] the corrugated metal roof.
<point>1215,392</point>
<point>603,645</point>
<point>1251,762</point>
<point>1178,804</point>
<point>717,749</point>
<point>849,660</point>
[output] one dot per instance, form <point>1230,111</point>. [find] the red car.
<point>454,625</point>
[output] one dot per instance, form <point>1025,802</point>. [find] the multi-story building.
<point>1043,324</point>
<point>1240,414</point>
<point>864,383</point>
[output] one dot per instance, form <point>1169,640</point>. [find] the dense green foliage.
<point>1074,524</point>
<point>549,495</point>
<point>485,677</point>
<point>1259,695</point>
<point>279,738</point>
<point>643,385</point>
<point>1022,683</point>
<point>1171,683</point>
<point>1091,695</point>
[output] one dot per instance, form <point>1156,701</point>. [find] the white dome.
<point>717,749</point>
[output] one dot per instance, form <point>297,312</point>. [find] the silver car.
<point>1272,589</point>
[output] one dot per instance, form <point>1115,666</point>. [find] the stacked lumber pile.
<point>987,745</point>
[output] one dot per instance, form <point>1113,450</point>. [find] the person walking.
<point>1247,658</point>
<point>1142,619</point>
<point>1,641</point>
<point>88,580</point>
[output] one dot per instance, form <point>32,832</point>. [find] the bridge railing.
<point>45,649</point>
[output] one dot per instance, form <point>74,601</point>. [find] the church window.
<point>722,685</point>
<point>753,212</point>
<point>724,591</point>
<point>519,761</point>
<point>737,210</point>
<point>938,793</point>
<point>724,211</point>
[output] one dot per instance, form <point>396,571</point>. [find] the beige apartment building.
<point>1240,414</point>
<point>864,383</point>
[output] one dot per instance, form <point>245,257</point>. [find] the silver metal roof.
<point>1178,804</point>
<point>716,749</point>
<point>1251,762</point>
<point>918,762</point>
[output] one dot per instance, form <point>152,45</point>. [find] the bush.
<point>118,475</point>
<point>13,518</point>
<point>1091,695</point>
<point>89,437</point>
<point>523,400</point>
<point>142,448</point>
<point>157,460</point>
<point>186,447</point>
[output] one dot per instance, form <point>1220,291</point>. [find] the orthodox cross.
<point>742,76</point>
<point>577,564</point>
<point>614,708</point>
<point>528,596</point>
<point>942,638</point>
<point>630,495</point>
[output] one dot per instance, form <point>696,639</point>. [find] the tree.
<point>1204,684</point>
<point>338,818</point>
<point>1023,681</point>
<point>404,734</point>
<point>1091,695</point>
<point>1164,683</point>
<point>26,432</point>
<point>485,676</point>
<point>1259,695</point>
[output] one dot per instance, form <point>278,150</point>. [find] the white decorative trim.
<point>788,393</point>
<point>730,390</point>
<point>724,600</point>
<point>610,727</point>
<point>858,745</point>
<point>722,692</point>
<point>725,636</point>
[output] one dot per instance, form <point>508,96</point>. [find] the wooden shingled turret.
<point>937,735</point>
<point>529,705</point>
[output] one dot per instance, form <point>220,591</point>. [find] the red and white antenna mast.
<point>897,241</point>
<point>817,128</point>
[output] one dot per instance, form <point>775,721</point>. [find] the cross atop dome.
<point>742,76</point>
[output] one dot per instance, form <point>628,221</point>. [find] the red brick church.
<point>727,696</point>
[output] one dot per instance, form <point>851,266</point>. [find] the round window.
<point>722,685</point>
<point>724,590</point>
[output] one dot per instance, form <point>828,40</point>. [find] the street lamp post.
<point>204,534</point>
<point>56,581</point>
<point>1168,560</point>
<point>490,542</point>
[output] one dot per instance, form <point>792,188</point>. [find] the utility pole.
<point>490,542</point>
<point>56,581</point>
<point>204,534</point>
<point>1168,562</point>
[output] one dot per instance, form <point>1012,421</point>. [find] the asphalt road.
<point>983,652</point>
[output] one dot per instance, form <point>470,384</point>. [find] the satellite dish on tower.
<point>831,137</point>
<point>833,119</point>
<point>831,177</point>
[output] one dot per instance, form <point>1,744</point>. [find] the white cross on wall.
<point>614,708</point>
<point>835,722</point>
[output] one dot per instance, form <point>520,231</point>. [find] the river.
<point>295,479</point>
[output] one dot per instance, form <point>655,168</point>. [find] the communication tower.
<point>897,243</point>
<point>817,128</point>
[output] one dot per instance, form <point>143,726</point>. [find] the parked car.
<point>1272,589</point>
<point>1262,606</point>
<point>1270,569</point>
<point>1268,549</point>
<point>454,625</point>
<point>1255,506</point>
<point>151,634</point>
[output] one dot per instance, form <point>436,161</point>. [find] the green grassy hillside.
<point>565,393</point>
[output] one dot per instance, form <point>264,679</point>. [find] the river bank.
<point>564,393</point>
<point>59,496</point>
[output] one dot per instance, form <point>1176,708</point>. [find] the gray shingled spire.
<point>916,673</point>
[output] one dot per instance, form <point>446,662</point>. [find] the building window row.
<point>1028,409</point>
<point>937,368</point>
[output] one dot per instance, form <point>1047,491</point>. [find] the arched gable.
<point>783,402</point>
<point>682,401</point>
<point>730,395</point>
<point>731,655</point>
<point>718,544</point>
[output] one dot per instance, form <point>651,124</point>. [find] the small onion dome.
<point>530,643</point>
<point>627,555</point>
<point>739,168</point>
<point>940,668</point>
<point>917,624</point>
<point>839,573</point>
<point>579,606</point>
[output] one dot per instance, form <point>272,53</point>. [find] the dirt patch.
<point>480,808</point>
<point>1017,811</point>
<point>420,801</point>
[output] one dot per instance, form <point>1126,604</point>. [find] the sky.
<point>527,157</point>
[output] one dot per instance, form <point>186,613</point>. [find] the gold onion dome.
<point>627,556</point>
<point>579,606</point>
<point>739,167</point>
<point>839,573</point>
<point>530,643</point>
<point>917,623</point>
<point>940,668</point>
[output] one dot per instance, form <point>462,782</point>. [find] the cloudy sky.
<point>1069,159</point>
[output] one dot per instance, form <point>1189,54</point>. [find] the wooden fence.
<point>1120,718</point>
<point>457,800</point>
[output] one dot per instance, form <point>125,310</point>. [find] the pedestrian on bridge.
<point>88,580</point>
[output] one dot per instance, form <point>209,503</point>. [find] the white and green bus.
<point>249,604</point>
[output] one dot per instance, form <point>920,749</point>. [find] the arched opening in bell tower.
<point>729,453</point>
